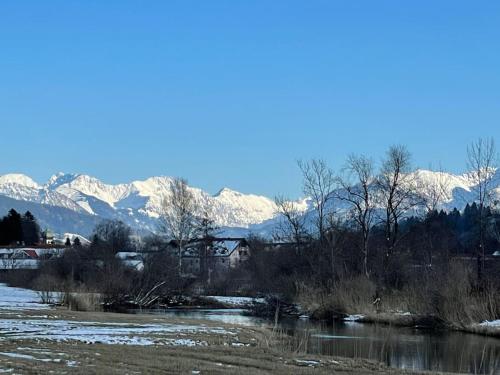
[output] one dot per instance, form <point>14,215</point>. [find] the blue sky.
<point>231,93</point>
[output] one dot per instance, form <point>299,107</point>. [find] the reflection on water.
<point>229,316</point>
<point>406,348</point>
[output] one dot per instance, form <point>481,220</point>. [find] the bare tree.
<point>357,192</point>
<point>397,193</point>
<point>292,225</point>
<point>208,229</point>
<point>319,183</point>
<point>110,237</point>
<point>482,161</point>
<point>178,218</point>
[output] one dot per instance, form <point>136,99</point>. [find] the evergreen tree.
<point>76,242</point>
<point>68,242</point>
<point>13,227</point>
<point>30,228</point>
<point>3,232</point>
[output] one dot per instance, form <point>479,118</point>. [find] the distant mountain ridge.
<point>137,203</point>
<point>76,202</point>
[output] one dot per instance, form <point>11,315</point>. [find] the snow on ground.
<point>40,327</point>
<point>19,299</point>
<point>237,301</point>
<point>39,353</point>
<point>491,323</point>
<point>308,363</point>
<point>105,333</point>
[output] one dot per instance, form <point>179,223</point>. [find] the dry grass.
<point>83,301</point>
<point>264,352</point>
<point>347,296</point>
<point>460,305</point>
<point>110,359</point>
<point>451,300</point>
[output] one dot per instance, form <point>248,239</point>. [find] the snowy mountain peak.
<point>59,179</point>
<point>18,179</point>
<point>227,192</point>
<point>138,203</point>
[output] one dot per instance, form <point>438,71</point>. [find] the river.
<point>400,347</point>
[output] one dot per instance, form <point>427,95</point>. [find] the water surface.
<point>400,347</point>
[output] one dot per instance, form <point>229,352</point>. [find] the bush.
<point>83,301</point>
<point>48,288</point>
<point>460,303</point>
<point>348,296</point>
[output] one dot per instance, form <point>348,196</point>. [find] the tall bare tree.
<point>178,218</point>
<point>292,224</point>
<point>397,193</point>
<point>357,191</point>
<point>110,237</point>
<point>207,230</point>
<point>319,184</point>
<point>482,161</point>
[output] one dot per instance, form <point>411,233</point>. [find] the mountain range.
<point>75,203</point>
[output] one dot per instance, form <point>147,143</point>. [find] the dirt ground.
<point>240,350</point>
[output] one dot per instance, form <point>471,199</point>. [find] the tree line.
<point>381,201</point>
<point>378,234</point>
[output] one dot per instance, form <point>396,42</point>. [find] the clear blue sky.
<point>231,93</point>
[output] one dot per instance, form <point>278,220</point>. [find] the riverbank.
<point>59,340</point>
<point>37,338</point>
<point>491,329</point>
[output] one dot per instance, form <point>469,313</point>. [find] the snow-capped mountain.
<point>453,191</point>
<point>137,203</point>
<point>76,202</point>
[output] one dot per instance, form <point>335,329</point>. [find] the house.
<point>26,258</point>
<point>214,255</point>
<point>18,259</point>
<point>230,252</point>
<point>131,259</point>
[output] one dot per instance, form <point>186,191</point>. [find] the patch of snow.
<point>404,313</point>
<point>354,318</point>
<point>19,299</point>
<point>490,323</point>
<point>309,363</point>
<point>105,333</point>
<point>73,236</point>
<point>30,357</point>
<point>72,363</point>
<point>237,301</point>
